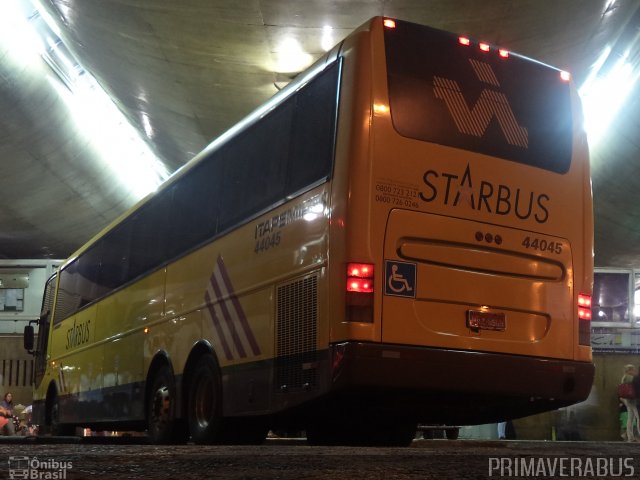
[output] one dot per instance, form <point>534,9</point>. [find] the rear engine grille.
<point>297,327</point>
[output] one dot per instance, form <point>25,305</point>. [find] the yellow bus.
<point>403,234</point>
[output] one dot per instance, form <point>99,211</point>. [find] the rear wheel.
<point>163,426</point>
<point>204,410</point>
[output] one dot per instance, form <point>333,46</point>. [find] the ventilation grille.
<point>297,327</point>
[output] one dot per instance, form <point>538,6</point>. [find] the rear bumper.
<point>458,386</point>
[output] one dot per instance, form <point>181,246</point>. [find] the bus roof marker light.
<point>389,23</point>
<point>503,53</point>
<point>464,41</point>
<point>484,47</point>
<point>566,76</point>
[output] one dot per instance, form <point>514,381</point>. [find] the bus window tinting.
<point>288,150</point>
<point>423,62</point>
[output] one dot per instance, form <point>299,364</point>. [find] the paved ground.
<point>425,459</point>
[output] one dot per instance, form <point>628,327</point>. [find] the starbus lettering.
<point>484,196</point>
<point>78,334</point>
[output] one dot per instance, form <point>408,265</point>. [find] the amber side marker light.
<point>389,23</point>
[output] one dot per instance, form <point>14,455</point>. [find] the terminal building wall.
<point>16,370</point>
<point>21,288</point>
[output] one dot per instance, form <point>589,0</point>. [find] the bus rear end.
<point>476,233</point>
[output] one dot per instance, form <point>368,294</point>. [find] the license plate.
<point>478,320</point>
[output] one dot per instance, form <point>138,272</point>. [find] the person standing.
<point>630,372</point>
<point>6,411</point>
<point>502,430</point>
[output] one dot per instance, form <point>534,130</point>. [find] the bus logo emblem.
<point>491,104</point>
<point>400,279</point>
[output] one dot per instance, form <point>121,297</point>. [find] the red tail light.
<point>584,307</point>
<point>584,319</point>
<point>359,292</point>
<point>359,285</point>
<point>360,270</point>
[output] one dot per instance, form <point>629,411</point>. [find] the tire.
<point>204,408</point>
<point>163,426</point>
<point>52,417</point>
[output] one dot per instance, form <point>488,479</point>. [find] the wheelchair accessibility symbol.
<point>400,279</point>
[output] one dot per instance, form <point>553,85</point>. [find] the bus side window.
<point>193,215</point>
<point>114,267</point>
<point>149,231</point>
<point>252,167</point>
<point>313,133</point>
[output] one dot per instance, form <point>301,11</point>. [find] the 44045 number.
<point>542,245</point>
<point>267,242</point>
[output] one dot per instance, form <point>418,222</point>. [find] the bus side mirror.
<point>29,336</point>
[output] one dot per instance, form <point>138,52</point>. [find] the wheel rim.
<point>204,402</point>
<point>161,410</point>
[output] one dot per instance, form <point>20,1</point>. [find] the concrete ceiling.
<point>184,71</point>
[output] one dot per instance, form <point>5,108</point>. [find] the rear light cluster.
<point>584,307</point>
<point>360,277</point>
<point>584,319</point>
<point>359,292</point>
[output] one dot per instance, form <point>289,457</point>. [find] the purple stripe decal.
<point>228,320</point>
<point>238,308</point>
<point>216,324</point>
